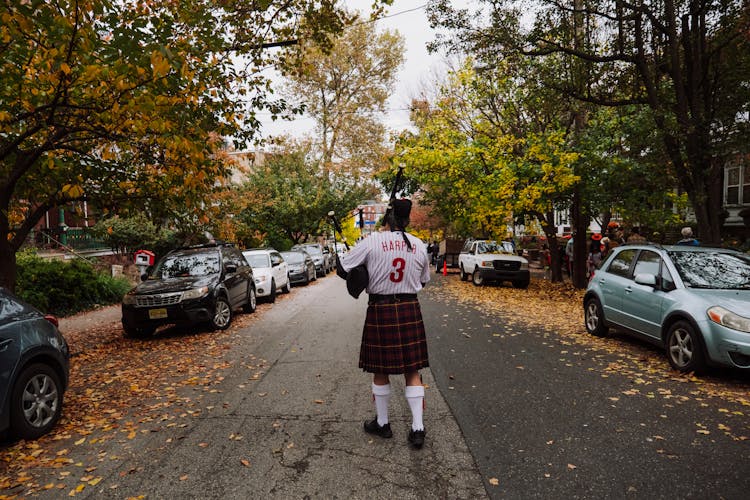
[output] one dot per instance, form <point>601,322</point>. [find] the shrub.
<point>63,288</point>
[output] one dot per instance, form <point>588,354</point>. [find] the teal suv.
<point>692,301</point>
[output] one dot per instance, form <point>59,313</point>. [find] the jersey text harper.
<point>396,246</point>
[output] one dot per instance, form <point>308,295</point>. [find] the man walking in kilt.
<point>393,338</point>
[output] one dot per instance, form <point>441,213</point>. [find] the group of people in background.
<point>600,245</point>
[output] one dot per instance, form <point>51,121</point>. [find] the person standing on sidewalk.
<point>393,337</point>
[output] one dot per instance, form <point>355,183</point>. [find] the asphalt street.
<point>551,420</point>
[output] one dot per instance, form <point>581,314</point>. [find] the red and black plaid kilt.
<point>393,338</point>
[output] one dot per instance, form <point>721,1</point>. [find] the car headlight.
<point>128,299</point>
<point>727,318</point>
<point>525,266</point>
<point>195,293</point>
<point>486,263</point>
<point>260,280</point>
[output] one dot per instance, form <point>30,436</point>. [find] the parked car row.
<point>208,284</point>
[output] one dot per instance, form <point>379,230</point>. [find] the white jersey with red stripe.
<point>392,267</point>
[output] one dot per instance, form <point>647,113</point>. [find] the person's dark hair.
<point>398,223</point>
<point>397,217</point>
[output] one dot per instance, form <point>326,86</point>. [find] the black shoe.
<point>383,431</point>
<point>416,438</point>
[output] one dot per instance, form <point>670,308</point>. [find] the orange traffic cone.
<point>445,268</point>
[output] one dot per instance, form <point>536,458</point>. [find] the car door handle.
<point>4,343</point>
<point>628,289</point>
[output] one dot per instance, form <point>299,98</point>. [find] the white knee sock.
<point>382,394</point>
<point>415,397</point>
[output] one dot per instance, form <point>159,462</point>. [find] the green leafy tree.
<point>687,62</point>
<point>344,90</point>
<point>480,172</point>
<point>290,196</point>
<point>125,102</point>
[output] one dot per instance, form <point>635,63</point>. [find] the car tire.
<point>36,401</point>
<point>133,332</point>
<point>476,278</point>
<point>463,275</point>
<point>594,318</point>
<point>222,316</point>
<point>272,296</point>
<point>252,301</point>
<point>521,284</point>
<point>684,348</point>
<point>288,287</point>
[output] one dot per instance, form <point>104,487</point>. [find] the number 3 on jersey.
<point>398,270</point>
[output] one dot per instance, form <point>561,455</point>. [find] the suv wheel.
<point>684,348</point>
<point>594,318</point>
<point>464,276</point>
<point>252,300</point>
<point>520,284</point>
<point>476,278</point>
<point>36,403</point>
<point>222,314</point>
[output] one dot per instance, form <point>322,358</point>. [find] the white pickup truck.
<point>487,260</point>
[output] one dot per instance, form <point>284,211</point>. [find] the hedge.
<point>65,287</point>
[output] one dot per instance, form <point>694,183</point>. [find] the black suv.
<point>199,284</point>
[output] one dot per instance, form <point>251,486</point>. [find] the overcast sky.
<point>408,17</point>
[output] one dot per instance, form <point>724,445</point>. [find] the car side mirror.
<point>231,268</point>
<point>645,279</point>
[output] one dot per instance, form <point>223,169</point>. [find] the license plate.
<point>157,313</point>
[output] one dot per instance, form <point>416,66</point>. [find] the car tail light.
<point>52,320</point>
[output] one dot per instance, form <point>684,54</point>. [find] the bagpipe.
<point>357,278</point>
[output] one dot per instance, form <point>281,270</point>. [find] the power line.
<point>369,21</point>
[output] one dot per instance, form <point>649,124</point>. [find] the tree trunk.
<point>8,267</point>
<point>550,231</point>
<point>580,241</point>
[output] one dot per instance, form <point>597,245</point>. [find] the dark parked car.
<point>322,263</point>
<point>201,284</point>
<point>34,368</point>
<point>692,301</point>
<point>301,266</point>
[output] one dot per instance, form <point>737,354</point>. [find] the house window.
<point>736,186</point>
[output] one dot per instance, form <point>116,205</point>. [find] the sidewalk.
<point>98,317</point>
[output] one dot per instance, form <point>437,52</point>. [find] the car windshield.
<point>293,257</point>
<point>258,260</point>
<point>713,269</point>
<point>188,264</point>
<point>494,247</point>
